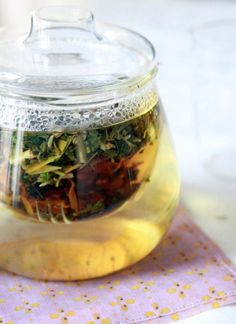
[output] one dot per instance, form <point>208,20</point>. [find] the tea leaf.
<point>39,166</point>
<point>45,169</point>
<point>88,171</point>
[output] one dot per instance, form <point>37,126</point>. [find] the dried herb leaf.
<point>83,172</point>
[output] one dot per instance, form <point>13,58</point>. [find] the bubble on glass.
<point>37,116</point>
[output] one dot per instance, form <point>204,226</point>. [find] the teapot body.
<point>88,175</point>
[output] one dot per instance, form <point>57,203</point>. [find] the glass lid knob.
<point>60,23</point>
<point>67,54</point>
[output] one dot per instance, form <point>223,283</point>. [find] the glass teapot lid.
<point>66,53</point>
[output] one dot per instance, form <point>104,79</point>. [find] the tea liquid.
<point>79,205</point>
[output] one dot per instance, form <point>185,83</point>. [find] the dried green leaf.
<point>31,169</point>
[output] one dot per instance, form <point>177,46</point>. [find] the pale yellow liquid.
<point>99,246</point>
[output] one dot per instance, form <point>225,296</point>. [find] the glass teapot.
<point>88,176</point>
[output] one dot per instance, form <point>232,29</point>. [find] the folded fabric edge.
<point>179,314</point>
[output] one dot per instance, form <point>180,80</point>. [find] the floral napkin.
<point>185,275</point>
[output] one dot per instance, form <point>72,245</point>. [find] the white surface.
<point>166,23</point>
<point>213,204</point>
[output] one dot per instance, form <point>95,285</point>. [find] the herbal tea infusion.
<point>69,176</point>
<point>88,175</point>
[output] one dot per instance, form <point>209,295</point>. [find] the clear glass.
<point>86,188</point>
<point>214,94</point>
<point>64,221</point>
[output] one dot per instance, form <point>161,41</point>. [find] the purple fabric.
<point>185,275</point>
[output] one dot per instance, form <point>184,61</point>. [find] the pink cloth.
<point>185,275</point>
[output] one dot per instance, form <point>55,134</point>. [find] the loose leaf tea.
<point>68,176</point>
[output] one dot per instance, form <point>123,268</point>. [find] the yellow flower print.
<point>98,320</point>
<point>213,294</point>
<point>19,288</point>
<point>123,304</point>
<point>215,305</point>
<point>106,321</point>
<point>196,271</point>
<point>62,315</point>
<point>143,285</point>
<point>130,271</point>
<point>228,277</point>
<point>164,310</point>
<point>1,321</point>
<point>155,306</point>
<point>164,272</point>
<point>26,307</point>
<point>183,257</point>
<point>213,261</point>
<point>149,314</point>
<point>85,299</point>
<point>171,240</point>
<point>52,293</point>
<point>200,245</point>
<point>109,285</point>
<point>175,317</point>
<point>180,290</point>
